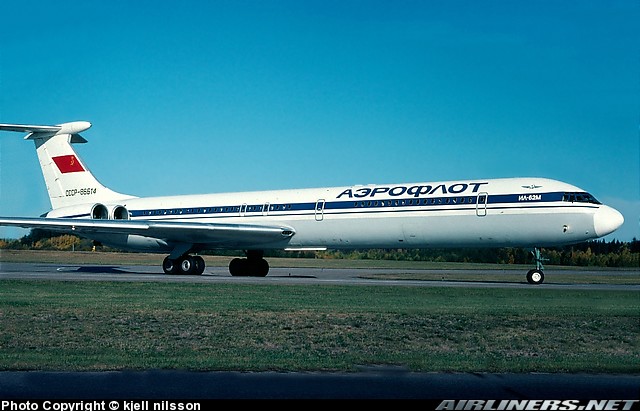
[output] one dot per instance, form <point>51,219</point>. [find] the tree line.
<point>598,253</point>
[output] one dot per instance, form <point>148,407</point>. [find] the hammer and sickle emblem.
<point>73,160</point>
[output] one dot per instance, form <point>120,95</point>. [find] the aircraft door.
<point>319,211</point>
<point>481,204</point>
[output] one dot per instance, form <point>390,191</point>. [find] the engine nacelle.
<point>96,211</point>
<point>99,212</point>
<point>119,213</point>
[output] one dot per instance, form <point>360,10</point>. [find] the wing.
<point>211,234</point>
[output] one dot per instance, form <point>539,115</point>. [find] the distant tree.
<point>591,253</point>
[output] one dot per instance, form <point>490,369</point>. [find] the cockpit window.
<point>579,198</point>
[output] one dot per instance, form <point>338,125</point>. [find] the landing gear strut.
<point>187,264</point>
<point>536,276</point>
<point>252,266</point>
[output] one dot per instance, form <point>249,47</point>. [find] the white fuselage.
<point>476,213</point>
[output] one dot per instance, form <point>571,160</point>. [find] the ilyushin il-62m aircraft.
<point>508,212</point>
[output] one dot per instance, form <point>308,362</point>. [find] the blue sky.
<point>215,96</point>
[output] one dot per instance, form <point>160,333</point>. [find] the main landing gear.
<point>187,264</point>
<point>252,266</point>
<point>536,276</point>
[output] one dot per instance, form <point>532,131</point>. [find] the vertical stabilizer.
<point>69,181</point>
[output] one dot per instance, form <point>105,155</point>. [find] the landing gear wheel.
<point>186,265</point>
<point>199,262</point>
<point>535,277</point>
<point>249,267</point>
<point>169,266</point>
<point>237,267</point>
<point>260,268</point>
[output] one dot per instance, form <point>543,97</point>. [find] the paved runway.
<point>276,275</point>
<point>372,383</point>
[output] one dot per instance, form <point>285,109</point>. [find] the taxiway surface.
<point>372,383</point>
<point>339,276</point>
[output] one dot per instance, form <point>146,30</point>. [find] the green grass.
<point>57,325</point>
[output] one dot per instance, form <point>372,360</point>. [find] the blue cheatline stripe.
<point>380,211</point>
<point>349,206</point>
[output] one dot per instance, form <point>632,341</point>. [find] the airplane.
<point>508,212</point>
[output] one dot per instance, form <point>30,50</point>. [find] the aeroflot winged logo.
<point>68,164</point>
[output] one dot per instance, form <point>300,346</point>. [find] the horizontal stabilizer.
<point>29,129</point>
<point>74,127</point>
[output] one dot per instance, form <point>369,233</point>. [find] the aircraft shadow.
<point>98,269</point>
<point>293,276</point>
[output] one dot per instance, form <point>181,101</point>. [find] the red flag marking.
<point>68,164</point>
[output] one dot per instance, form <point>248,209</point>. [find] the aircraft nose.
<point>607,220</point>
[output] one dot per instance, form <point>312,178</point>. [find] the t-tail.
<point>69,181</point>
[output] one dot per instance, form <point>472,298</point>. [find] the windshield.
<point>580,198</point>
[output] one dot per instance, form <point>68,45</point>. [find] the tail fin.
<point>69,181</point>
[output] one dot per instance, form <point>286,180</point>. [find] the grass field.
<point>56,325</point>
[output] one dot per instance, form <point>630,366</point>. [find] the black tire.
<point>200,265</point>
<point>243,267</point>
<point>261,268</point>
<point>535,277</point>
<point>186,265</point>
<point>169,266</point>
<point>237,267</point>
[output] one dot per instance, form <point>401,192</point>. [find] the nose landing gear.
<point>536,276</point>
